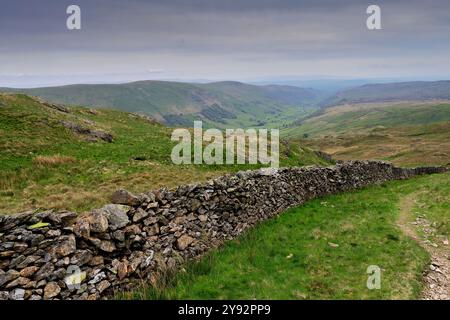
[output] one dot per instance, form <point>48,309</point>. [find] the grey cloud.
<point>234,38</point>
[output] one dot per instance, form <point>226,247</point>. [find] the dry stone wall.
<point>63,255</point>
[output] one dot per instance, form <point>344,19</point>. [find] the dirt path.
<point>437,276</point>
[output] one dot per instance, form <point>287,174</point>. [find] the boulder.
<point>184,241</point>
<point>82,227</point>
<point>117,217</point>
<point>67,246</point>
<point>124,197</point>
<point>51,290</point>
<point>98,222</point>
<point>139,215</point>
<point>28,271</point>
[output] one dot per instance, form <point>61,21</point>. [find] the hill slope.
<point>368,116</point>
<point>383,92</point>
<point>219,104</point>
<point>406,133</point>
<point>53,156</point>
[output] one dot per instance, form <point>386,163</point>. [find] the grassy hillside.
<point>218,104</point>
<point>381,92</point>
<point>320,250</point>
<point>404,146</point>
<point>368,116</point>
<point>406,133</point>
<point>59,157</point>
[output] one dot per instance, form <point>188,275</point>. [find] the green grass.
<point>434,204</point>
<point>30,130</point>
<point>405,133</point>
<point>363,117</point>
<point>290,256</point>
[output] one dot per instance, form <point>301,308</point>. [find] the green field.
<point>320,250</point>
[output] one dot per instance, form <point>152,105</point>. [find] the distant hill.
<point>365,117</point>
<point>174,103</point>
<point>406,133</point>
<point>385,92</point>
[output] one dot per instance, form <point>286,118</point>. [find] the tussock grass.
<point>405,133</point>
<point>404,146</point>
<point>51,161</point>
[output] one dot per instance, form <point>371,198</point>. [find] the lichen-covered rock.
<point>116,215</point>
<point>17,294</point>
<point>98,222</point>
<point>184,241</point>
<point>140,214</point>
<point>10,275</point>
<point>82,228</point>
<point>66,246</point>
<point>51,290</point>
<point>28,271</point>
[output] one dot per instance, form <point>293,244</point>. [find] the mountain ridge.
<point>390,92</point>
<point>177,103</point>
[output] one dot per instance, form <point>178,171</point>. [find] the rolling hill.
<point>363,117</point>
<point>220,104</point>
<point>406,133</point>
<point>385,92</point>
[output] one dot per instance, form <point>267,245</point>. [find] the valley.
<point>219,104</point>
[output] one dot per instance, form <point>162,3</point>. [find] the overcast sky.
<point>220,39</point>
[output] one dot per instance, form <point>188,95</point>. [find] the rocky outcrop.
<point>62,255</point>
<point>89,134</point>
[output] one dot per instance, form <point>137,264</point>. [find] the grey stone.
<point>66,246</point>
<point>184,241</point>
<point>51,290</point>
<point>44,272</point>
<point>139,215</point>
<point>81,257</point>
<point>17,294</point>
<point>98,222</point>
<point>124,197</point>
<point>102,286</point>
<point>10,275</point>
<point>116,216</point>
